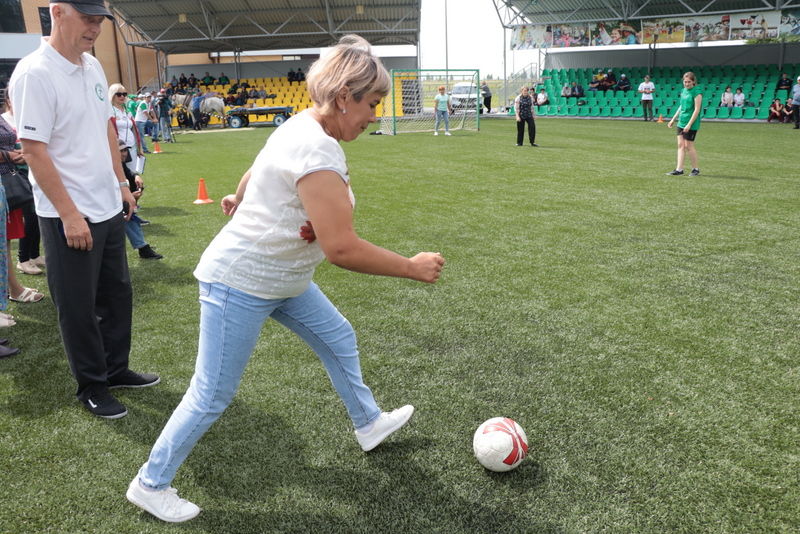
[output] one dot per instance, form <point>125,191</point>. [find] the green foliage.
<point>641,328</point>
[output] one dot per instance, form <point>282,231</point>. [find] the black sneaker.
<point>147,253</point>
<point>676,172</point>
<point>534,144</point>
<point>132,379</point>
<point>7,352</point>
<point>695,172</point>
<point>103,404</point>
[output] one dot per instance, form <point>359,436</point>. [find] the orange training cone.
<point>156,148</point>
<point>202,194</point>
<point>660,118</point>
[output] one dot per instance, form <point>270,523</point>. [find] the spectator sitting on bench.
<point>784,82</point>
<point>738,98</point>
<point>624,84</point>
<point>576,90</point>
<point>542,99</point>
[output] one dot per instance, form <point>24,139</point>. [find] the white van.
<point>465,96</point>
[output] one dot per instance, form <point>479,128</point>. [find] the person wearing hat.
<point>624,84</point>
<point>628,35</point>
<point>795,94</point>
<point>141,116</point>
<point>163,107</point>
<point>60,101</point>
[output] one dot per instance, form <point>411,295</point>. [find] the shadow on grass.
<point>258,462</point>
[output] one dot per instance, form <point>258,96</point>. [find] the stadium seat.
<point>763,113</point>
<point>572,111</point>
<point>627,112</point>
<point>737,113</point>
<point>750,113</point>
<point>616,111</point>
<point>711,113</point>
<point>724,113</point>
<point>594,111</point>
<point>583,111</point>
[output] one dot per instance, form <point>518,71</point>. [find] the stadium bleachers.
<point>758,83</point>
<point>286,94</point>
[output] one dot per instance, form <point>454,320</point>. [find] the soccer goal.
<point>409,106</point>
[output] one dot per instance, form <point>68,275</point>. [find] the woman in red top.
<point>776,111</point>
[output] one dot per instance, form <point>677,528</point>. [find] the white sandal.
<point>28,295</point>
<point>6,320</point>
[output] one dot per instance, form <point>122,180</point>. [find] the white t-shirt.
<point>738,100</point>
<point>260,250</point>
<point>125,127</point>
<point>66,106</point>
<point>141,112</point>
<point>647,86</point>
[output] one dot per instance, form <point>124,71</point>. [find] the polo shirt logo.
<point>98,89</point>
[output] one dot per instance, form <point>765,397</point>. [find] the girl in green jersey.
<point>688,116</point>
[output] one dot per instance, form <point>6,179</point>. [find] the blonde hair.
<point>349,64</point>
<point>114,89</point>
<point>691,76</point>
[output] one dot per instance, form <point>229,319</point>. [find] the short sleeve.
<point>34,102</point>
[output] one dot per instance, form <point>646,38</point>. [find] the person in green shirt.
<point>688,116</point>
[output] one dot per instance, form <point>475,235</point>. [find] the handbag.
<point>18,189</point>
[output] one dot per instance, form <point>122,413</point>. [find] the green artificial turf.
<point>642,329</point>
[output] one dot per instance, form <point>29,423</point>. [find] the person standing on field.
<point>523,106</point>
<point>688,116</point>
<point>293,209</point>
<point>487,97</point>
<point>795,95</point>
<point>443,111</point>
<point>646,89</point>
<point>64,122</point>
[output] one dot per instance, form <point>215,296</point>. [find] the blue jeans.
<point>140,125</point>
<point>134,232</point>
<point>442,115</point>
<point>230,323</point>
<point>163,126</point>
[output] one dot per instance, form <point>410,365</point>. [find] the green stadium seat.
<point>583,111</point>
<point>572,111</point>
<point>627,112</point>
<point>562,110</point>
<point>616,111</point>
<point>605,111</point>
<point>763,113</point>
<point>542,110</point>
<point>552,109</point>
<point>711,113</point>
<point>594,111</point>
<point>750,113</point>
<point>638,111</point>
<point>737,113</point>
<point>723,113</point>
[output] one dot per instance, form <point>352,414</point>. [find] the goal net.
<point>410,104</point>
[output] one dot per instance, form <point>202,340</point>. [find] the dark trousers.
<point>796,113</point>
<point>487,102</point>
<point>521,130</point>
<point>647,106</point>
<point>198,119</point>
<point>29,245</point>
<point>92,294</point>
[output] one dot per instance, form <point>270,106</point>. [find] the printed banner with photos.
<point>755,25</point>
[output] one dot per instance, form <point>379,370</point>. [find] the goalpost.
<point>409,106</point>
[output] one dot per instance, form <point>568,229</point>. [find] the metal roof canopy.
<point>205,26</point>
<point>515,12</point>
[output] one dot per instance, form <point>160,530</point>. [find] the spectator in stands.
<point>738,98</point>
<point>523,106</point>
<point>182,80</point>
<point>646,89</point>
<point>252,93</point>
<point>788,111</point>
<point>542,98</point>
<point>223,80</point>
<point>262,93</point>
<point>291,76</point>
<point>726,100</point>
<point>599,75</point>
<point>776,111</point>
<point>208,79</point>
<point>566,91</point>
<point>191,81</point>
<point>300,76</point>
<point>300,175</point>
<point>606,84</point>
<point>624,84</point>
<point>594,85</point>
<point>611,77</point>
<point>784,83</point>
<point>796,103</point>
<point>241,98</point>
<point>576,90</point>
<point>688,117</point>
<point>174,81</point>
<point>443,108</point>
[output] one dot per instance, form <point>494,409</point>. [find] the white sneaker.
<point>164,504</point>
<point>447,133</point>
<point>28,267</point>
<point>435,133</point>
<point>383,426</point>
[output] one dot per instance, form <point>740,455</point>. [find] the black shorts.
<point>689,135</point>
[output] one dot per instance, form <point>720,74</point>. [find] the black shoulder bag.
<point>17,186</point>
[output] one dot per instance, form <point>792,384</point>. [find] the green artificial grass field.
<point>642,329</point>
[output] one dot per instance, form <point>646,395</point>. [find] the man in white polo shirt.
<point>59,95</point>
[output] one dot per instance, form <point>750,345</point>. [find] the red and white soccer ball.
<point>500,444</point>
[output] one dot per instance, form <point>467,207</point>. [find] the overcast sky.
<point>474,36</point>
